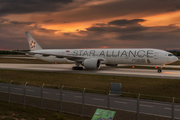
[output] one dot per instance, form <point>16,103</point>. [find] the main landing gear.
<point>77,68</point>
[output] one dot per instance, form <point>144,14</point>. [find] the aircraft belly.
<point>111,60</point>
<point>53,59</point>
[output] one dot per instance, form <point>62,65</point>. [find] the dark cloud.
<point>135,35</point>
<point>7,21</point>
<point>152,39</point>
<point>30,6</point>
<point>43,30</point>
<point>12,34</point>
<point>125,22</point>
<point>2,20</point>
<point>175,8</point>
<point>151,36</point>
<point>120,8</point>
<point>100,24</point>
<point>10,25</point>
<point>126,29</point>
<point>25,23</point>
<point>117,29</point>
<point>79,11</point>
<point>120,33</point>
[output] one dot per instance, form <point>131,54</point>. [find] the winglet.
<point>33,45</point>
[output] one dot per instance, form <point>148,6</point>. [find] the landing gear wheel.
<point>77,68</point>
<point>159,70</point>
<point>74,68</point>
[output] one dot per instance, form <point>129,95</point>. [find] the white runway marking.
<point>4,87</point>
<point>98,99</point>
<point>171,109</point>
<point>18,88</point>
<point>120,102</point>
<point>46,92</point>
<point>142,105</point>
<point>155,103</point>
<point>123,99</point>
<point>176,109</point>
<point>59,94</point>
<point>168,108</point>
<point>30,90</point>
<point>78,96</point>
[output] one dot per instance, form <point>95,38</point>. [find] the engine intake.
<point>113,65</point>
<point>92,63</point>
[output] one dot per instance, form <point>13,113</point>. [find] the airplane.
<point>93,58</point>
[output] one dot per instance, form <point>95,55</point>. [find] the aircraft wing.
<point>69,57</point>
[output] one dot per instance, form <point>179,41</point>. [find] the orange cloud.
<point>66,27</point>
<point>162,19</point>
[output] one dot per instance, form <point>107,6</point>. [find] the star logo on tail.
<point>32,44</point>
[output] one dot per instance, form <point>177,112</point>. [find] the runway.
<point>104,70</point>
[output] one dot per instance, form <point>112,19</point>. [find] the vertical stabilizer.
<point>33,45</point>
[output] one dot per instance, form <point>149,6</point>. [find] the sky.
<point>73,24</point>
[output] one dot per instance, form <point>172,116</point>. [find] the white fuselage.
<point>111,56</point>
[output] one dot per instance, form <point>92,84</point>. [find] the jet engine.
<point>92,63</point>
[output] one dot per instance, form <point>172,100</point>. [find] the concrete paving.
<point>104,70</point>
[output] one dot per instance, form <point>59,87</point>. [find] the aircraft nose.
<point>176,58</point>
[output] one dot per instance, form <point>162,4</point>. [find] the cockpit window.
<point>170,55</point>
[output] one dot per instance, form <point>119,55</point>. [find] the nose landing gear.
<point>159,70</point>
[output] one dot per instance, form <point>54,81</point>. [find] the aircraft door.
<point>168,59</point>
<point>156,55</point>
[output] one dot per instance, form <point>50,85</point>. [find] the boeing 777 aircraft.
<point>93,58</point>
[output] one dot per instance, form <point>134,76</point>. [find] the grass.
<point>150,86</point>
<point>10,111</point>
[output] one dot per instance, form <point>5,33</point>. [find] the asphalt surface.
<point>104,70</point>
<point>14,57</point>
<point>120,103</point>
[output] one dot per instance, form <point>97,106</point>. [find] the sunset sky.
<point>60,24</point>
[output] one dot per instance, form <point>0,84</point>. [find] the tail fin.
<point>33,45</point>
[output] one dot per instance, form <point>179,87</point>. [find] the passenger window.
<point>170,54</point>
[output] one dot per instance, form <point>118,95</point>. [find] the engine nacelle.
<point>113,65</point>
<point>92,63</point>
